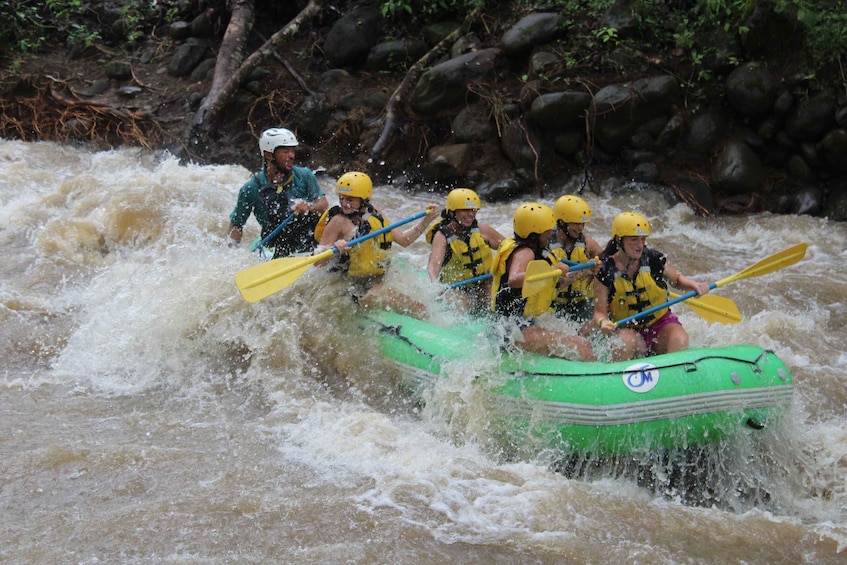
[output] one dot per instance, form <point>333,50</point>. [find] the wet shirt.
<point>304,185</point>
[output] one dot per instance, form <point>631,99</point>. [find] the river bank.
<point>553,110</point>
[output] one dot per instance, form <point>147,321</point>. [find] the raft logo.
<point>641,377</point>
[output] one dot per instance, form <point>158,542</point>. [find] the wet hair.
<point>532,240</point>
<point>610,249</point>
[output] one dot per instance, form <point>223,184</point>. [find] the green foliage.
<point>28,25</point>
<point>392,8</point>
<point>426,10</point>
<point>20,27</point>
<point>606,34</point>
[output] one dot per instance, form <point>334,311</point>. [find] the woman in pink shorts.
<point>634,278</point>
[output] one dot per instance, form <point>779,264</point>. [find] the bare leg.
<point>672,337</point>
<point>383,297</point>
<point>549,342</point>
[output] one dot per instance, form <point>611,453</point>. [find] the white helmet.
<point>276,137</point>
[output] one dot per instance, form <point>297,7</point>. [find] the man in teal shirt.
<point>276,192</point>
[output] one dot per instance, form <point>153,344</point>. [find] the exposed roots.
<point>39,107</point>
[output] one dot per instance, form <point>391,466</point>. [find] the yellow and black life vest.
<point>509,301</point>
<point>581,289</point>
<point>369,258</point>
<point>629,297</point>
<point>467,256</point>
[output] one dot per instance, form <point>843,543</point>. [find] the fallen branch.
<point>406,85</point>
<point>294,74</point>
<point>233,75</point>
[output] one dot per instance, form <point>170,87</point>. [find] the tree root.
<point>47,108</point>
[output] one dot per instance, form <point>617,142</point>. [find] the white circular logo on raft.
<point>641,377</point>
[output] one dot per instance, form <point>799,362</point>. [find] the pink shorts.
<point>651,333</point>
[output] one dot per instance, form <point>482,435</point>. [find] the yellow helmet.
<point>533,217</point>
<point>630,224</point>
<point>572,209</point>
<point>355,184</point>
<point>463,199</point>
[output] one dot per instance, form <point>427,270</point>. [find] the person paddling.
<point>533,225</point>
<point>575,299</point>
<point>462,249</point>
<point>365,264</point>
<point>634,277</point>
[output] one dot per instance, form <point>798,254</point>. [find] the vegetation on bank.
<point>693,29</point>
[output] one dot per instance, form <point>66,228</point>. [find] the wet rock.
<point>529,31</point>
<point>751,90</point>
<point>473,123</point>
<point>395,55</point>
<point>445,86</point>
<point>704,131</point>
<point>558,110</point>
<point>352,37</point>
<point>812,117</point>
<point>736,169</point>
<point>834,149</point>
<point>187,57</point>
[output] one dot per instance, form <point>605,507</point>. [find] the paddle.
<point>770,264</point>
<point>541,276</point>
<point>273,234</point>
<point>538,272</point>
<point>264,279</point>
<point>709,307</point>
<point>713,308</point>
<point>470,280</point>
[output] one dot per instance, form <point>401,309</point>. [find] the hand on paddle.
<point>264,279</point>
<point>775,262</point>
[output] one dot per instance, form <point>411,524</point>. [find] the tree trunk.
<point>230,72</point>
<point>230,56</point>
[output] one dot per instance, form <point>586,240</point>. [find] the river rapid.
<point>151,415</point>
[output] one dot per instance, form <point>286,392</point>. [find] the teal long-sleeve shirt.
<point>304,185</point>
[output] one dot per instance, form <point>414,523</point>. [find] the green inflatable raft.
<point>677,400</point>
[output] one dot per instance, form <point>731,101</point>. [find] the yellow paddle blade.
<point>770,264</point>
<point>539,277</point>
<point>264,279</point>
<point>714,308</point>
<point>539,287</point>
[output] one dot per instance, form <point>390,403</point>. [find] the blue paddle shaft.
<point>686,296</point>
<point>573,268</point>
<point>381,231</point>
<point>274,233</point>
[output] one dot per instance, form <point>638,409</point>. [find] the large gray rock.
<point>834,149</point>
<point>812,117</point>
<point>351,37</point>
<point>557,110</point>
<point>445,86</point>
<point>736,169</point>
<point>311,118</point>
<point>618,110</point>
<point>530,31</point>
<point>395,55</point>
<point>522,145</point>
<point>448,162</point>
<point>751,90</point>
<point>474,123</point>
<point>187,57</point>
<point>704,131</point>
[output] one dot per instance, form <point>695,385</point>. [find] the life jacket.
<point>467,256</point>
<point>510,301</point>
<point>581,289</point>
<point>629,297</point>
<point>277,201</point>
<point>370,257</point>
